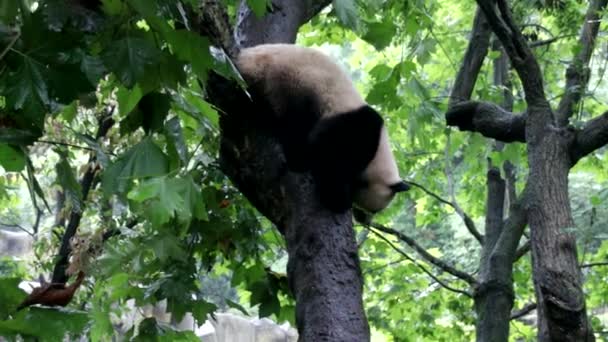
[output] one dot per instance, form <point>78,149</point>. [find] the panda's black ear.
<point>400,187</point>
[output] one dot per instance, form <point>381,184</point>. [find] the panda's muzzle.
<point>399,187</point>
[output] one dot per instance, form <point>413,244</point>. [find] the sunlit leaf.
<point>143,160</point>
<point>45,324</point>
<point>346,11</point>
<point>259,7</point>
<point>12,159</point>
<point>380,34</point>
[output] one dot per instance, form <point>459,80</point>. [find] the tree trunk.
<point>494,296</point>
<point>323,270</point>
<point>557,277</point>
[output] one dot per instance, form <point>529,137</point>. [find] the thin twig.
<point>66,144</point>
<point>593,264</point>
<point>464,216</point>
<point>426,255</point>
<point>421,267</point>
<point>372,270</point>
<point>539,43</point>
<point>10,45</point>
<point>13,225</point>
<point>468,222</point>
<point>523,311</point>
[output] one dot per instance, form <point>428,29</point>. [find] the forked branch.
<point>592,136</point>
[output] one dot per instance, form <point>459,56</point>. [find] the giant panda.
<point>324,126</point>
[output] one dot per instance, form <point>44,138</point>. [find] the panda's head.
<point>376,196</point>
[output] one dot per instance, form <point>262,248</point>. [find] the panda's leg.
<point>299,116</point>
<point>295,147</point>
<point>335,193</point>
<point>331,171</point>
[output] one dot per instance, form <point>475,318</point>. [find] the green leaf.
<point>128,57</point>
<point>67,180</point>
<point>143,160</point>
<point>93,68</point>
<point>34,184</point>
<point>171,71</point>
<point>175,138</point>
<point>128,99</point>
<point>17,136</point>
<point>150,11</point>
<point>380,34</point>
<point>192,48</point>
<point>12,159</point>
<point>118,286</point>
<point>10,296</point>
<point>113,7</point>
<point>28,91</point>
<point>347,12</point>
<point>223,65</point>
<point>259,7</point>
<point>68,113</point>
<point>44,324</point>
<point>200,106</point>
<point>168,246</point>
<point>237,306</point>
<point>201,308</point>
<point>162,196</point>
<point>166,198</point>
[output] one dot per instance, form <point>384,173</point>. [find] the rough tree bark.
<point>553,148</point>
<point>323,269</point>
<point>493,295</point>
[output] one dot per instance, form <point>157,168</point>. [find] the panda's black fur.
<point>323,125</point>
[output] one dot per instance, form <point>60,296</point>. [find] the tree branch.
<point>270,28</point>
<point>488,119</point>
<point>592,136</point>
<point>549,41</point>
<point>521,251</point>
<point>577,73</point>
<point>214,23</point>
<point>435,278</point>
<point>59,276</point>
<point>426,255</point>
<point>521,56</point>
<point>465,217</point>
<point>472,61</point>
<point>523,311</point>
<point>594,264</point>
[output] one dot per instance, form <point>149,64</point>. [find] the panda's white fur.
<point>301,69</point>
<point>302,81</point>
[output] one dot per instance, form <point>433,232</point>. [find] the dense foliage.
<point>104,127</point>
